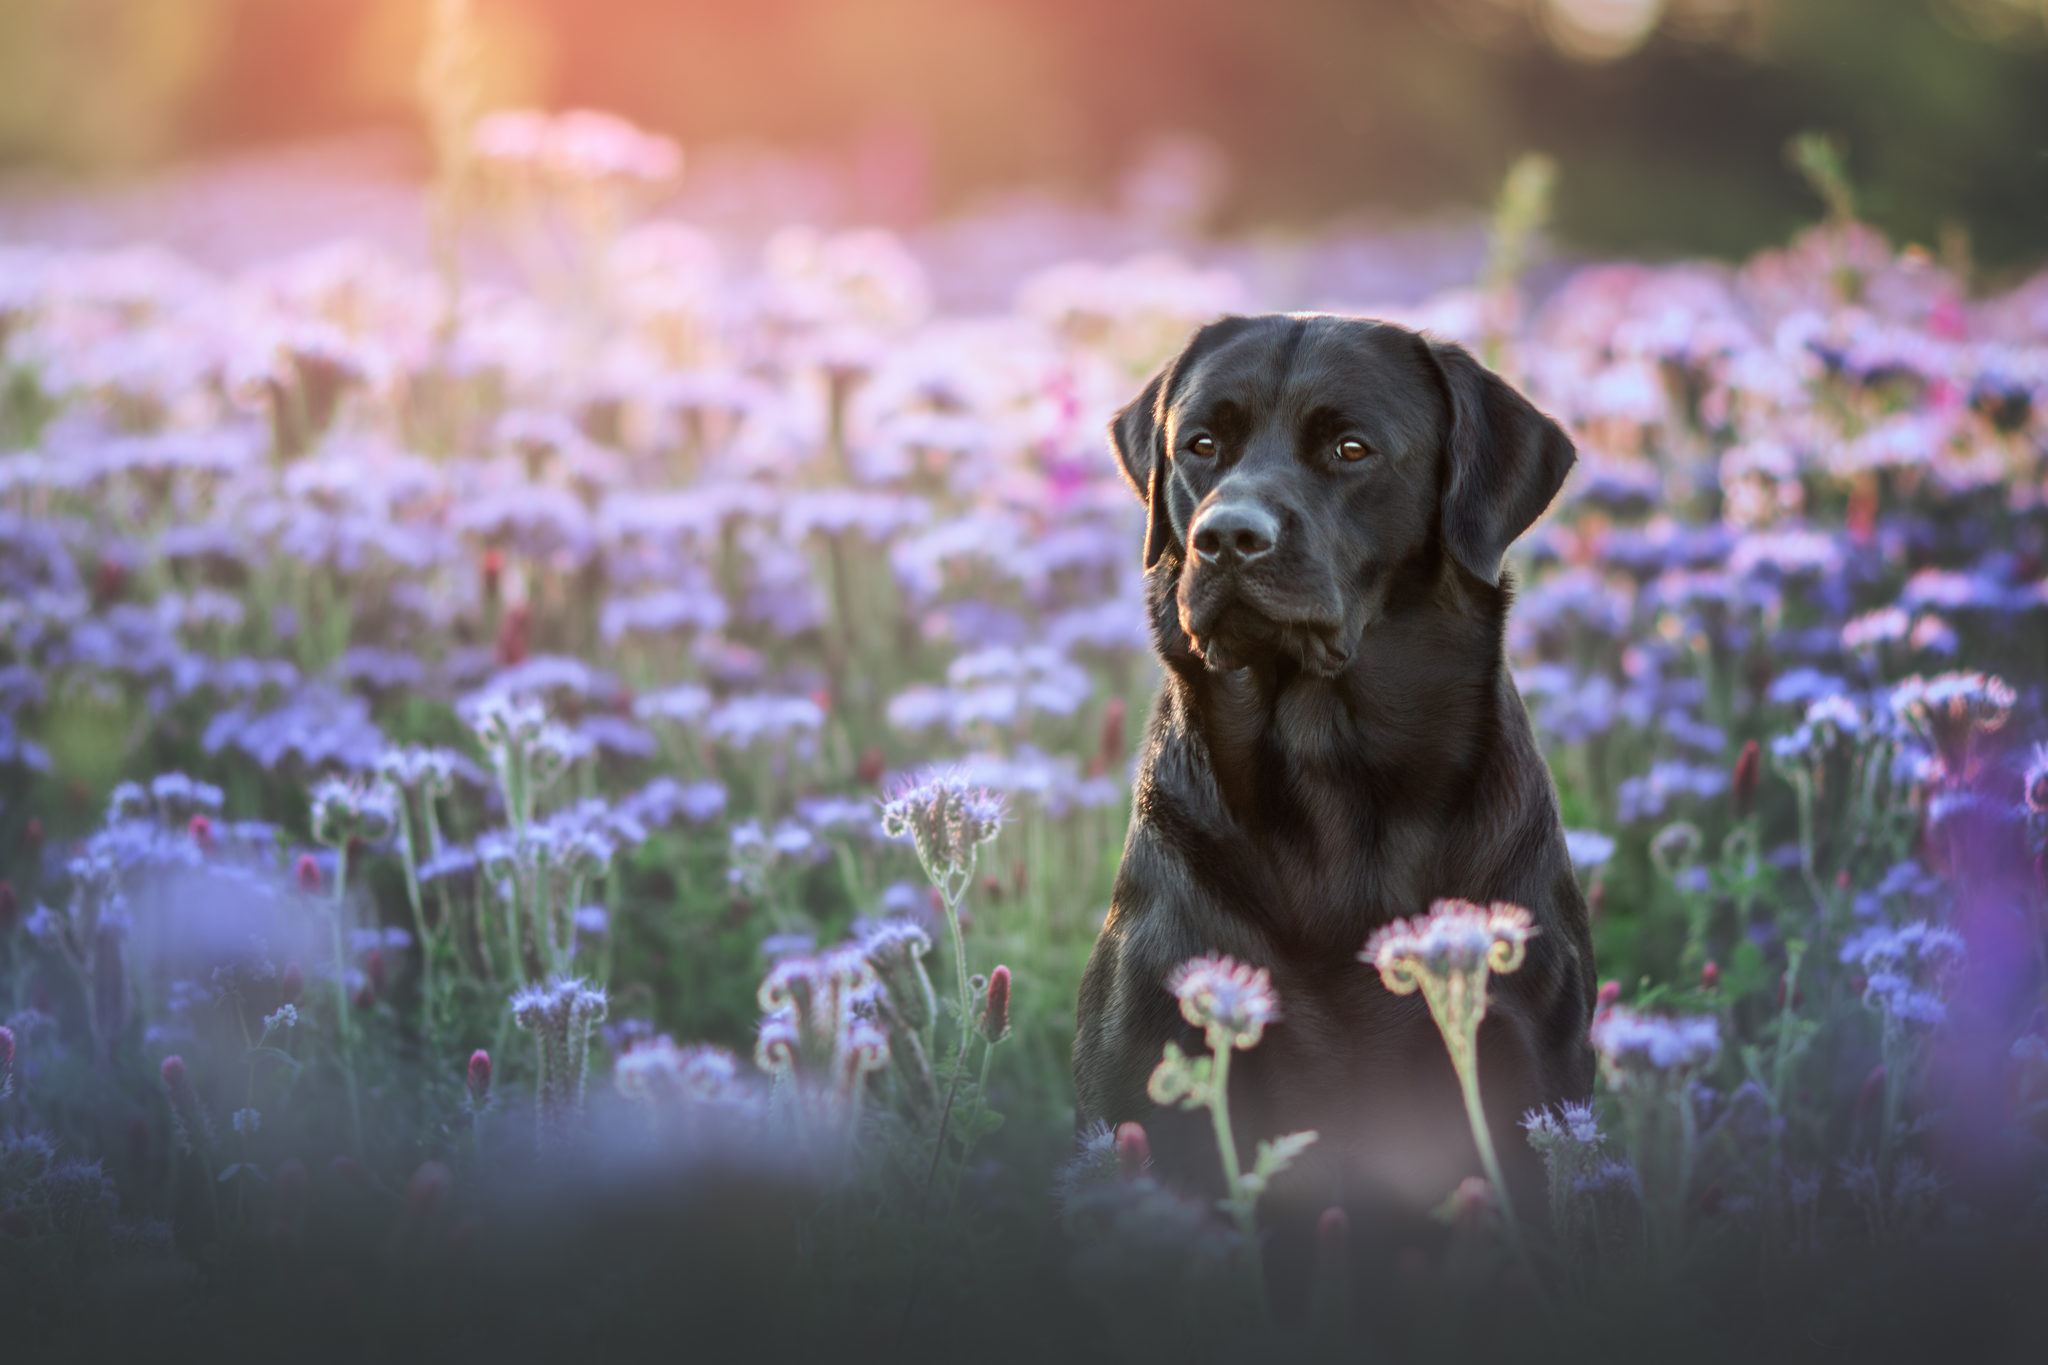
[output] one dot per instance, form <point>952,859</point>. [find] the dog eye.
<point>1203,445</point>
<point>1353,451</point>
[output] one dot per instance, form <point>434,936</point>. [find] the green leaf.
<point>1278,1154</point>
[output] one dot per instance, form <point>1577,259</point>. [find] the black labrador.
<point>1338,743</point>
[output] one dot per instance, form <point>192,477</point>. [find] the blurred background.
<point>1668,118</point>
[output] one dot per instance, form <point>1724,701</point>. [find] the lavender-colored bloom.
<point>1633,1044</point>
<point>1588,848</point>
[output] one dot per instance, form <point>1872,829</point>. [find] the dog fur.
<point>1337,743</point>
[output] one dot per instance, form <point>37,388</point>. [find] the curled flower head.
<point>659,1072</point>
<point>1907,969</point>
<point>1634,1046</point>
<point>503,723</point>
<point>1952,711</point>
<point>895,948</point>
<point>347,809</point>
<point>415,768</point>
<point>1456,938</point>
<point>947,821</point>
<point>1229,1000</point>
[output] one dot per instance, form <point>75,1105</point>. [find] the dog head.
<point>1292,465</point>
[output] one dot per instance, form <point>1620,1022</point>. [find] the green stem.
<point>341,1014</point>
<point>1243,1208</point>
<point>409,857</point>
<point>1467,1066</point>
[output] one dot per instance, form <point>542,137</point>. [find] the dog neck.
<point>1399,736</point>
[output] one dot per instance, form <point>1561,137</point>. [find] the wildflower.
<point>201,830</point>
<point>247,1122</point>
<point>1633,1046</point>
<point>1676,846</point>
<point>1952,712</point>
<point>560,1016</point>
<point>1710,975</point>
<point>352,809</point>
<point>947,821</point>
<point>895,948</point>
<point>994,1022</point>
<point>1906,969</point>
<point>659,1071</point>
<point>282,1018</point>
<point>1231,1002</point>
<point>479,1078</point>
<point>1588,848</point>
<point>306,872</point>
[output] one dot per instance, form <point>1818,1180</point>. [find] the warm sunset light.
<point>1020,679</point>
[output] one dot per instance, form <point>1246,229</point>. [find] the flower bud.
<point>307,872</point>
<point>995,1010</point>
<point>291,983</point>
<point>1133,1150</point>
<point>10,907</point>
<point>1710,976</point>
<point>172,1069</point>
<point>479,1076</point>
<point>1742,785</point>
<point>872,766</point>
<point>32,836</point>
<point>1610,992</point>
<point>375,972</point>
<point>201,830</point>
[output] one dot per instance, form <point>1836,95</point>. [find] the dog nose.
<point>1235,533</point>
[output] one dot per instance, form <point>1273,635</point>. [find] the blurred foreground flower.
<point>1231,1002</point>
<point>1447,955</point>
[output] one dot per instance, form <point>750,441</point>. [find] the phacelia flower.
<point>1952,711</point>
<point>1633,1045</point>
<point>1230,1001</point>
<point>347,809</point>
<point>947,821</point>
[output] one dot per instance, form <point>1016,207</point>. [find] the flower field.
<point>551,798</point>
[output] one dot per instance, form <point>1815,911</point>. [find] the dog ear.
<point>1506,462</point>
<point>1141,452</point>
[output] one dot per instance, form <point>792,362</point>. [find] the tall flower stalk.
<point>947,821</point>
<point>344,813</point>
<point>1447,955</point>
<point>1650,1062</point>
<point>1231,1002</point>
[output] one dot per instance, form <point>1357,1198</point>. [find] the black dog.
<point>1338,743</point>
